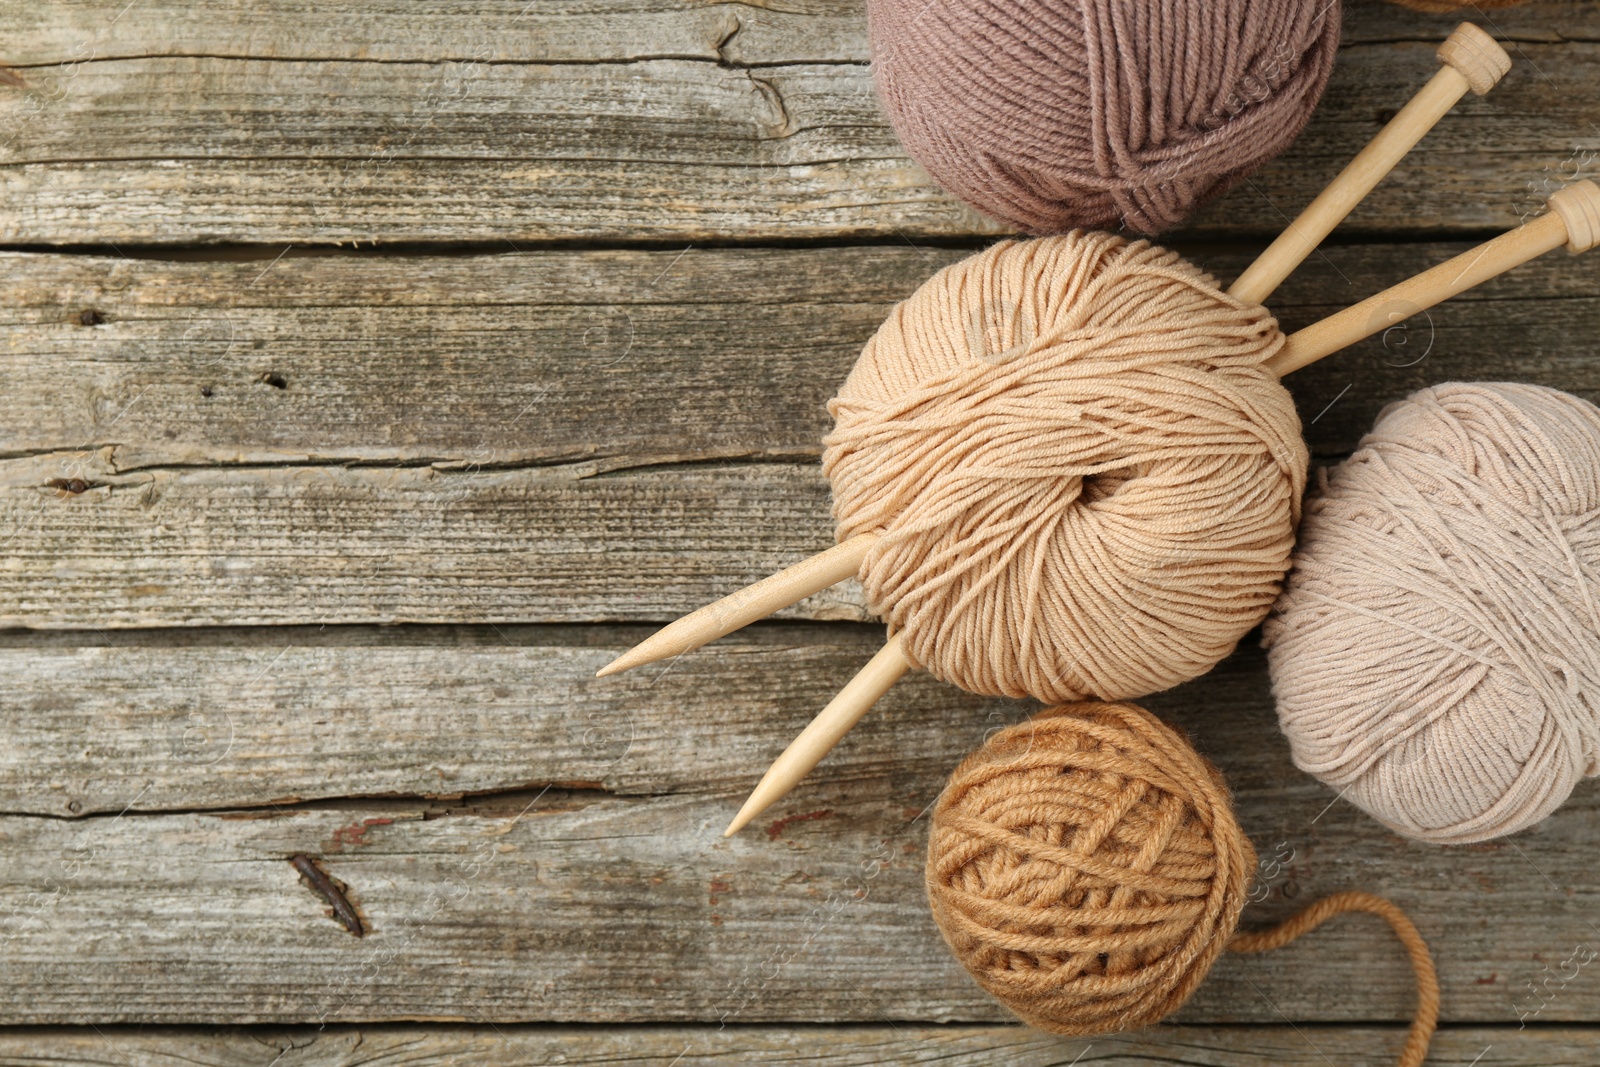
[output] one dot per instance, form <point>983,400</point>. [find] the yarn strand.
<point>1426,1018</point>
<point>1085,866</point>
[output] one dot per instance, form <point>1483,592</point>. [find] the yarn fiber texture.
<point>1082,477</point>
<point>1085,866</point>
<point>1055,114</point>
<point>1436,652</point>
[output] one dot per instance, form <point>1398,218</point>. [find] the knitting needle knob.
<point>1573,220</point>
<point>1470,60</point>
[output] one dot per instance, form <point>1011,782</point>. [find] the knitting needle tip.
<point>789,586</point>
<point>825,731</point>
<point>750,810</point>
<point>634,657</point>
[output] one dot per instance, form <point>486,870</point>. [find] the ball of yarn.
<point>1436,652</point>
<point>1082,477</point>
<point>1054,114</point>
<point>1086,868</point>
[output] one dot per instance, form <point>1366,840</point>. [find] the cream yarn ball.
<point>1436,651</point>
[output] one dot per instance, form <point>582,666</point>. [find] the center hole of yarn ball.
<point>1103,511</point>
<point>1100,487</point>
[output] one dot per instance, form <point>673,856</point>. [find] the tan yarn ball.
<point>1084,480</point>
<point>1086,868</point>
<point>1436,652</point>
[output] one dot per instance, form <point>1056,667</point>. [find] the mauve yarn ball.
<point>1055,114</point>
<point>1082,476</point>
<point>1436,651</point>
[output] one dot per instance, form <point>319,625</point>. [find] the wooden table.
<point>375,371</point>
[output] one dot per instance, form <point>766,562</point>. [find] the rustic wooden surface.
<point>666,121</point>
<point>549,416</point>
<point>844,1046</point>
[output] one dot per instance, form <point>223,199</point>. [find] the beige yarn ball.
<point>1084,480</point>
<point>1436,652</point>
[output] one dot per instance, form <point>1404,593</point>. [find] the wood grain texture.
<point>844,1046</point>
<point>332,545</point>
<point>253,717</point>
<point>580,904</point>
<point>493,31</point>
<point>481,439</point>
<point>630,121</point>
<point>480,361</point>
<point>624,357</point>
<point>512,31</point>
<point>590,436</point>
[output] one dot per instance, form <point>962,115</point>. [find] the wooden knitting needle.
<point>788,586</point>
<point>1470,59</point>
<point>825,731</point>
<point>1574,220</point>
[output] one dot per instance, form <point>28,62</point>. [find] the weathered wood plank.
<point>494,31</point>
<point>843,1046</point>
<point>572,31</point>
<point>246,150</point>
<point>581,905</point>
<point>628,121</point>
<point>573,907</point>
<point>334,545</point>
<point>406,366</point>
<point>485,361</point>
<point>254,717</point>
